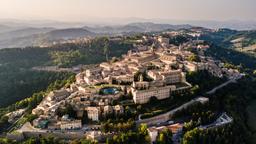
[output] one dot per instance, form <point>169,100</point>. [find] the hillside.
<point>245,38</point>
<point>67,34</point>
<point>18,81</point>
<point>135,28</point>
<point>159,27</point>
<point>4,28</point>
<point>33,36</point>
<point>23,32</point>
<point>244,41</point>
<point>240,41</point>
<point>37,37</point>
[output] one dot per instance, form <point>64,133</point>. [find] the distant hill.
<point>149,27</point>
<point>23,33</point>
<point>241,41</point>
<point>32,36</point>
<point>4,28</point>
<point>18,42</point>
<point>68,34</point>
<point>230,24</point>
<point>245,34</point>
<point>40,36</point>
<point>244,41</point>
<point>136,27</point>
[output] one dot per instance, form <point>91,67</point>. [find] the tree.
<point>195,89</point>
<point>67,110</point>
<point>168,136</point>
<point>165,137</point>
<point>254,72</point>
<point>5,141</point>
<point>161,139</point>
<point>31,117</point>
<point>65,59</point>
<point>143,130</point>
<point>30,141</point>
<point>109,141</point>
<point>153,100</point>
<point>106,48</point>
<point>194,58</point>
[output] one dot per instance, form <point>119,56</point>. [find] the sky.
<point>86,10</point>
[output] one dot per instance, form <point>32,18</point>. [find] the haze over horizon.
<point>99,10</point>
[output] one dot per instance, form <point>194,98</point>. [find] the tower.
<point>180,47</point>
<point>153,47</point>
<point>141,78</point>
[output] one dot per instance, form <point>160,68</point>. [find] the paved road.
<point>166,116</point>
<point>11,128</point>
<point>57,69</point>
<point>232,80</point>
<point>200,99</point>
<point>222,120</point>
<point>163,117</point>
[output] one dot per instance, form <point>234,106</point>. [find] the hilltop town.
<point>153,71</point>
<point>127,72</point>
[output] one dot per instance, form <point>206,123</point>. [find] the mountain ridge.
<point>35,36</point>
<point>136,27</point>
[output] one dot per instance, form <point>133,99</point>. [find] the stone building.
<point>93,113</point>
<point>71,125</point>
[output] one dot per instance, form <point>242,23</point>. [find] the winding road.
<point>232,80</point>
<point>165,117</point>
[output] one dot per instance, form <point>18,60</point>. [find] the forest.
<point>19,81</point>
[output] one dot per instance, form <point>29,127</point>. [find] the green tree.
<point>161,139</point>
<point>165,137</point>
<point>30,141</point>
<point>254,72</point>
<point>106,48</point>
<point>6,141</point>
<point>194,58</point>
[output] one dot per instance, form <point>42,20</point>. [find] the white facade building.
<point>143,96</point>
<point>70,125</point>
<point>93,113</point>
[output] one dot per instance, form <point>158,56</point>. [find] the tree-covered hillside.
<point>241,41</point>
<point>237,99</point>
<point>18,81</point>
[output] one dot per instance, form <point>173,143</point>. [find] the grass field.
<point>249,49</point>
